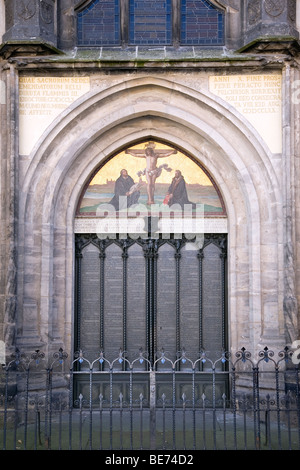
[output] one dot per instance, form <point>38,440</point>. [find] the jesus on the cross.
<point>151,171</point>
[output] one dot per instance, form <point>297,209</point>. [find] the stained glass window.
<point>99,24</point>
<point>150,22</point>
<point>201,23</point>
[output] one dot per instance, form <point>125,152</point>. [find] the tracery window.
<point>150,23</point>
<point>201,23</point>
<point>98,24</point>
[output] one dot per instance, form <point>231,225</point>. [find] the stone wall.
<point>62,115</point>
<point>113,114</point>
<point>55,23</point>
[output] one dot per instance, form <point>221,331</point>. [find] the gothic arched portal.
<point>151,272</point>
<point>95,130</point>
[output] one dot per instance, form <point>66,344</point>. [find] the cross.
<point>151,171</point>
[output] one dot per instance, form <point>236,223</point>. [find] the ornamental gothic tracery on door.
<point>150,269</point>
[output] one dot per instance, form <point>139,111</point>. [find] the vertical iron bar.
<point>130,406</point>
<point>50,408</point>
<point>234,407</point>
<point>154,312</point>
<point>5,409</point>
<point>254,412</point>
<point>204,421</point>
<point>256,406</point>
<point>39,426</point>
<point>152,384</point>
<point>80,421</point>
<point>298,402</point>
<point>15,415</point>
<point>150,313</point>
<point>174,407</point>
<point>287,411</point>
<point>90,407</point>
<point>102,261</point>
<point>141,421</point>
<point>147,306</point>
<point>267,424</point>
<point>200,258</point>
<point>224,421</point>
<point>194,408</point>
<point>110,408</point>
<point>47,409</point>
<point>245,420</point>
<point>278,407</point>
<point>70,408</point>
<point>36,412</point>
<point>100,419</point>
<point>26,408</point>
<point>177,258</point>
<point>214,407</point>
<point>183,421</point>
<point>60,425</point>
<point>121,421</point>
<point>164,421</point>
<point>125,256</point>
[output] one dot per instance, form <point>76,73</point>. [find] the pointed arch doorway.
<point>151,250</point>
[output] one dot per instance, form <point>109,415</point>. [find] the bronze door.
<point>150,294</point>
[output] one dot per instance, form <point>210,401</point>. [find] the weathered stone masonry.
<point>66,107</point>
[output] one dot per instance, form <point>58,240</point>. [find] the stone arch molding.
<point>98,125</point>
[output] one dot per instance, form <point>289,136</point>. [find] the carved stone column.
<point>30,21</point>
<point>233,18</point>
<point>269,20</point>
<point>66,24</point>
<point>8,213</point>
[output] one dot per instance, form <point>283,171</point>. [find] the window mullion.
<point>124,22</point>
<point>176,22</point>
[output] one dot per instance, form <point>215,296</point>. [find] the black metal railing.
<point>233,402</point>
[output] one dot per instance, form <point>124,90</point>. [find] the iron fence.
<point>233,402</point>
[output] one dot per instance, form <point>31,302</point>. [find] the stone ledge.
<point>272,44</point>
<point>20,48</point>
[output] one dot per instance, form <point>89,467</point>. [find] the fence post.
<point>152,400</point>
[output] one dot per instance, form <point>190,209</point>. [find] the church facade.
<point>196,101</point>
